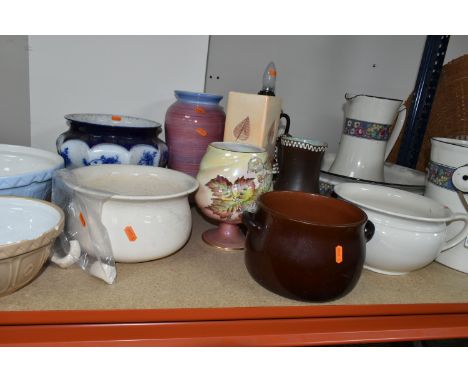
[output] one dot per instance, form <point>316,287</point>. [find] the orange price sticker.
<point>339,254</point>
<point>201,131</point>
<point>116,118</point>
<point>82,220</point>
<point>131,235</point>
<point>200,110</point>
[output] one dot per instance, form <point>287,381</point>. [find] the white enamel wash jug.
<point>366,142</point>
<point>447,173</point>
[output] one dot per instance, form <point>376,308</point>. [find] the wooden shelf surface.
<point>203,296</point>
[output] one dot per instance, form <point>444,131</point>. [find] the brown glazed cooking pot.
<point>306,246</point>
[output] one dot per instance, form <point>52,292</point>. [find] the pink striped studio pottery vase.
<point>192,123</point>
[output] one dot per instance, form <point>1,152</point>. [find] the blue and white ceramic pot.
<point>111,139</point>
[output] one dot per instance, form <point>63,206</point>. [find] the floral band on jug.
<point>441,175</point>
<point>367,130</point>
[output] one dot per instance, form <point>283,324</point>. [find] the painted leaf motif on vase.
<point>242,130</point>
<point>229,199</point>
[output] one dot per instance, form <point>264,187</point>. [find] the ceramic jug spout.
<point>350,96</point>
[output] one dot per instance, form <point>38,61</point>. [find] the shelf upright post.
<point>423,96</point>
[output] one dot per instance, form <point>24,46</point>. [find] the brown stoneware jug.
<point>306,246</point>
<point>299,164</point>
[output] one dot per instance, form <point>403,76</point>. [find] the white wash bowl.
<point>26,171</point>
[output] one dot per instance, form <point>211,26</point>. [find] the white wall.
<point>132,75</point>
<point>14,91</point>
<point>314,72</point>
<point>136,75</point>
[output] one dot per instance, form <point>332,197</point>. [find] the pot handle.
<point>72,256</point>
<point>369,230</point>
<point>248,218</point>
<point>460,179</point>
<point>396,131</point>
<point>461,235</point>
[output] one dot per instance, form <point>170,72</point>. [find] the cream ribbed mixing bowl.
<point>28,228</point>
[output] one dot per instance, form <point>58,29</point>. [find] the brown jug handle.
<point>288,122</point>
<point>248,218</point>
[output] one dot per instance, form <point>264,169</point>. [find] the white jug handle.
<point>396,131</point>
<point>461,235</point>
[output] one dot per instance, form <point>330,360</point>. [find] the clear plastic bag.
<point>84,240</point>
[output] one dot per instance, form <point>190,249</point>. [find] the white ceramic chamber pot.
<point>144,210</point>
<point>410,229</point>
<point>446,169</point>
<point>366,140</point>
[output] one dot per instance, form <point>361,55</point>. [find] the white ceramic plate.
<point>395,176</point>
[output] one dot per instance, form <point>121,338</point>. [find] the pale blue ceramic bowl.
<point>27,172</point>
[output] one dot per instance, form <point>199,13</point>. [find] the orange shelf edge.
<point>258,326</point>
<point>279,332</point>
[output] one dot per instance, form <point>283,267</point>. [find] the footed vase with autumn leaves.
<point>232,176</point>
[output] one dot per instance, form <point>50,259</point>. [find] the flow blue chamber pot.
<point>94,139</point>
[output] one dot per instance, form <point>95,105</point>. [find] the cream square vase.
<point>253,119</point>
